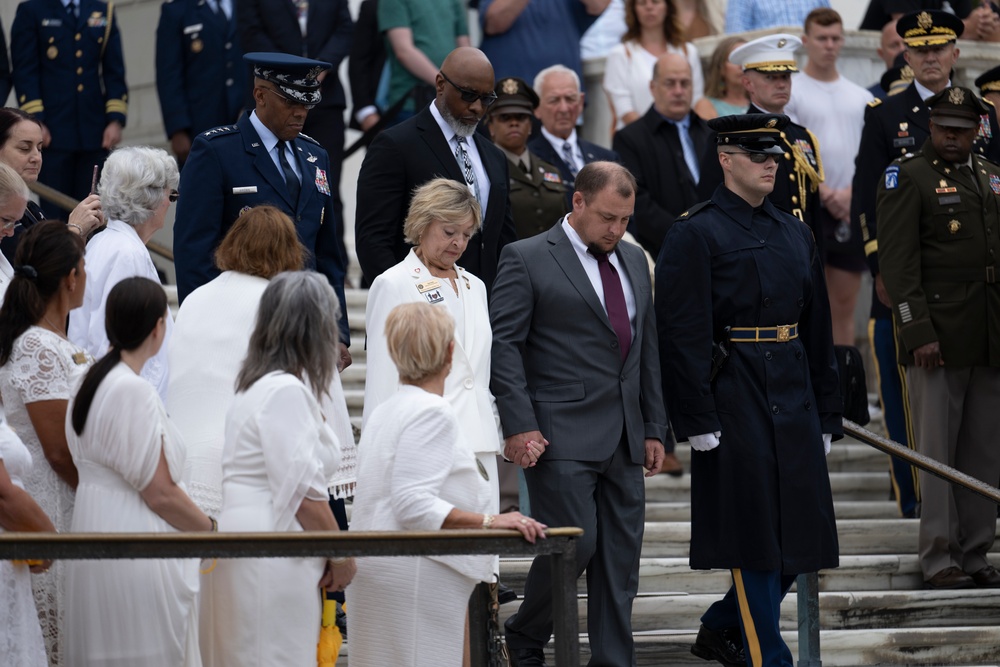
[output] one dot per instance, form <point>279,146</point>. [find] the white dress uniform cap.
<point>771,53</point>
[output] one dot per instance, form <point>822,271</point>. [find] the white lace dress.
<point>20,635</point>
<point>44,366</point>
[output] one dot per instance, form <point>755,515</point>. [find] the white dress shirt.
<point>589,263</point>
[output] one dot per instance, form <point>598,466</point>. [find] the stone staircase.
<point>873,609</point>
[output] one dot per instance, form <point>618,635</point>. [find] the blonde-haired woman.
<point>414,473</point>
<point>443,216</point>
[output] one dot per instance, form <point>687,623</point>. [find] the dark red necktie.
<point>614,302</point>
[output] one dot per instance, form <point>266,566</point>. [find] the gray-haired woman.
<point>277,458</point>
<point>137,186</point>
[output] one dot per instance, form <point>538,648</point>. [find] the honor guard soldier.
<point>768,64</point>
<point>537,190</point>
<point>262,159</point>
<point>761,405</point>
<point>200,75</point>
<point>939,241</point>
<point>70,74</point>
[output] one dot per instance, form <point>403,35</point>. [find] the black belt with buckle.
<point>779,334</point>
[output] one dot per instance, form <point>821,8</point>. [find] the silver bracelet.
<point>78,227</point>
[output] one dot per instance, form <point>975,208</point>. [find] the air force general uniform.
<point>69,73</point>
<point>230,170</point>
<point>200,75</point>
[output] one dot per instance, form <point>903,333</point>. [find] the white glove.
<point>827,440</point>
<point>705,442</point>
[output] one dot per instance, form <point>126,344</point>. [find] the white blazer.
<point>467,386</point>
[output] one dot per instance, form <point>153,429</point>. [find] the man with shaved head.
<point>439,142</point>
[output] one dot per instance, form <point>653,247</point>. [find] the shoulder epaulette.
<point>220,131</point>
<point>308,138</point>
<point>874,103</point>
<point>694,209</point>
<point>987,101</point>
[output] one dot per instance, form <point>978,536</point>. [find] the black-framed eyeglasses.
<point>173,196</point>
<point>470,96</point>
<point>287,102</point>
<point>756,158</point>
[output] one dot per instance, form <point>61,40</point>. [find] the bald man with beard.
<point>439,142</point>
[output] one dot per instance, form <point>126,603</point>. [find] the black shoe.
<point>526,657</point>
<point>725,646</point>
<point>505,594</point>
<point>988,577</point>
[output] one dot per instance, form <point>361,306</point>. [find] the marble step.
<point>886,572</point>
<point>853,486</point>
<point>846,509</point>
<point>857,536</point>
<point>853,610</point>
<point>838,648</point>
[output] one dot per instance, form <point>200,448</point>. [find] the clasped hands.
<point>524,449</point>
<point>709,441</point>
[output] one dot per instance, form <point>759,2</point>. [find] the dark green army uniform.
<point>537,196</point>
<point>938,243</point>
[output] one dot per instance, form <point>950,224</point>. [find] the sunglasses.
<point>756,158</point>
<point>173,196</point>
<point>470,96</point>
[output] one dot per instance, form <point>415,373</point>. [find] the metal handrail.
<point>68,203</point>
<point>807,585</point>
<point>560,545</point>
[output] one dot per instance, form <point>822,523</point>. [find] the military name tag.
<point>197,27</point>
<point>245,190</point>
<point>428,285</point>
<point>903,141</point>
<point>952,199</point>
<point>54,23</point>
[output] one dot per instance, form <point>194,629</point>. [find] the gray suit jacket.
<point>556,364</point>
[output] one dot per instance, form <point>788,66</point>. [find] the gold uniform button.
<point>79,70</point>
<point>79,53</point>
<point>795,200</point>
<point>79,88</point>
<point>78,37</point>
<point>791,177</point>
<point>52,40</point>
<point>787,156</point>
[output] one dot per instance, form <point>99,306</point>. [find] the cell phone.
<point>93,182</point>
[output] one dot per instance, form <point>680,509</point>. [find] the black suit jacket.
<point>272,25</point>
<point>367,57</point>
<point>541,147</point>
<point>408,155</point>
<point>651,149</point>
